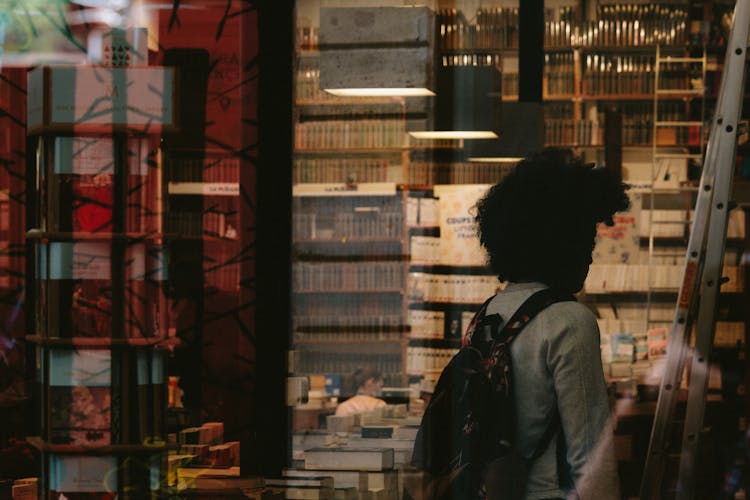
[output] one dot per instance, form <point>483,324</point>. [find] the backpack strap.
<point>538,301</point>
<point>530,308</point>
<point>480,317</point>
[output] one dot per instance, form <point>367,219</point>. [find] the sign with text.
<point>619,243</point>
<point>459,240</point>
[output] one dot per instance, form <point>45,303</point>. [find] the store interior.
<point>238,244</point>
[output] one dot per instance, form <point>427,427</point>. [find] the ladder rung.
<point>678,155</point>
<point>670,59</point>
<point>679,124</point>
<point>676,190</point>
<point>680,91</point>
<point>671,222</point>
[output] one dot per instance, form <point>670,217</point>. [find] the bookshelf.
<point>202,206</point>
<point>100,321</point>
<point>348,277</point>
<point>448,278</point>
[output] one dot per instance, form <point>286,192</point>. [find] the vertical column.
<point>272,448</point>
<point>530,50</point>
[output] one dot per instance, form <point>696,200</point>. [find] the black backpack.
<point>465,442</point>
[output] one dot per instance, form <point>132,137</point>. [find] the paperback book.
<point>83,477</point>
<point>80,397</point>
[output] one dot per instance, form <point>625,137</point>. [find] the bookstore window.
<point>405,115</point>
<point>161,322</point>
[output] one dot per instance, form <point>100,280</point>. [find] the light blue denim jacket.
<point>557,361</point>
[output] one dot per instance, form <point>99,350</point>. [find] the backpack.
<point>465,441</point>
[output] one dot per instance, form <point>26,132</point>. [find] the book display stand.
<point>99,265</point>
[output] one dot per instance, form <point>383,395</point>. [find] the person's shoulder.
<point>571,308</point>
<point>570,313</point>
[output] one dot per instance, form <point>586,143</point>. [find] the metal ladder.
<point>701,279</point>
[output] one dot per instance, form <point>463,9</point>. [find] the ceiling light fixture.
<point>377,51</point>
<point>467,104</point>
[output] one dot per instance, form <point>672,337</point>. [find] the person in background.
<point>367,382</point>
<point>539,227</point>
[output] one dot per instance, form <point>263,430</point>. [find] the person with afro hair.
<point>538,225</point>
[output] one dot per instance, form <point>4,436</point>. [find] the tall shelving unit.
<point>349,280</point>
<point>97,289</point>
<point>349,251</point>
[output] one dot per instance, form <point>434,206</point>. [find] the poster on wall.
<point>459,240</point>
<point>620,243</point>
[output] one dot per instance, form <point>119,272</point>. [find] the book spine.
<point>144,406</point>
<point>158,377</point>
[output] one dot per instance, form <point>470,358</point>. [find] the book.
<point>407,431</point>
<point>142,214</point>
<point>193,471</point>
<point>143,395</point>
<point>198,451</point>
<point>85,167</point>
<point>226,454</point>
<point>144,303</point>
<point>218,482</point>
<point>395,444</point>
<point>340,423</point>
<point>80,397</point>
<point>25,489</point>
<point>93,201</point>
<point>158,395</point>
<point>349,458</point>
<point>83,477</point>
<point>341,478</point>
<point>78,289</point>
<point>377,431</point>
<point>322,481</point>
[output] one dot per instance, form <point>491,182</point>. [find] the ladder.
<point>701,278</point>
<point>664,158</point>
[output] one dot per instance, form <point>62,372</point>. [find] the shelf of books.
<point>202,210</point>
<point>99,267</point>
<point>596,57</point>
<point>349,279</point>
<point>448,276</point>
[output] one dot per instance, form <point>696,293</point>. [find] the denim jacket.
<point>557,363</point>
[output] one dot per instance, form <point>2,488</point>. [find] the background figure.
<point>366,384</point>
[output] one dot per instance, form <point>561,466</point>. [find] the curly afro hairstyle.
<point>539,222</point>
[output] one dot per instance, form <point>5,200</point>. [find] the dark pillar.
<point>613,139</point>
<point>530,50</point>
<point>274,231</point>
